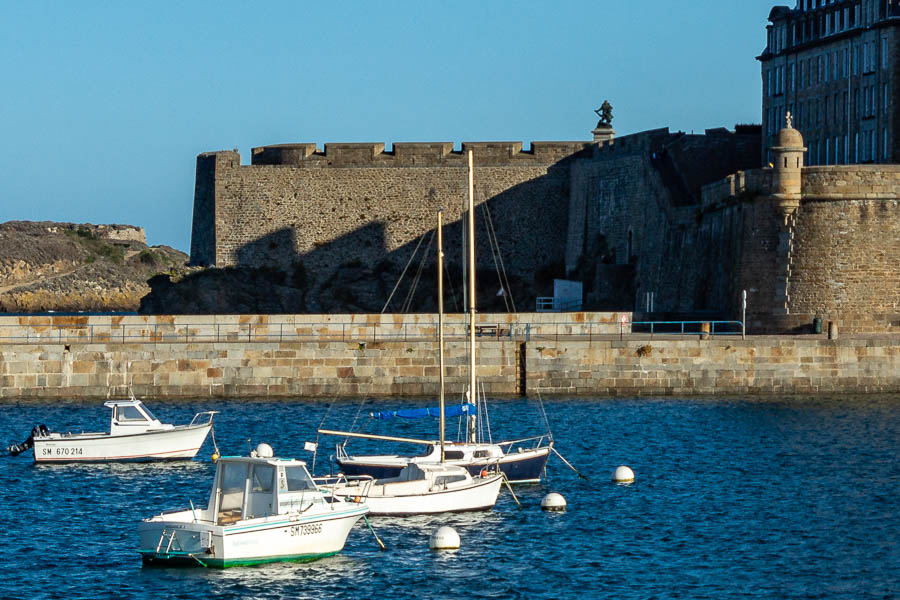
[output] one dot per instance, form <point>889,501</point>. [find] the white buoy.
<point>444,538</point>
<point>264,450</point>
<point>553,501</point>
<point>623,474</point>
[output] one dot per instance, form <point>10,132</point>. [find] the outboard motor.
<point>17,449</point>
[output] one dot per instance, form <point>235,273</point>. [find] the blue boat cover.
<point>419,413</point>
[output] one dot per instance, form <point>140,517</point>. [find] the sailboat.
<point>521,460</point>
<point>425,488</point>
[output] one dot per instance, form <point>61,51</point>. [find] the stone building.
<point>835,66</point>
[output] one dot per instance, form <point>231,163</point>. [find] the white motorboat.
<point>134,435</point>
<point>422,489</point>
<point>261,509</point>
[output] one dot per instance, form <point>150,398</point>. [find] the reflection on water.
<point>784,498</point>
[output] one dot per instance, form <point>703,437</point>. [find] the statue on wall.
<point>605,114</point>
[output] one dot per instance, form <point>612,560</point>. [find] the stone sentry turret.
<point>787,169</point>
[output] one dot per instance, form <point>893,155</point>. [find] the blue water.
<point>734,498</point>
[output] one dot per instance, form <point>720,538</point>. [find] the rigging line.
<point>355,417</point>
<point>409,262</point>
<point>415,283</point>
<point>316,451</point>
<point>452,290</point>
<point>494,254</point>
<point>500,256</point>
<point>544,413</point>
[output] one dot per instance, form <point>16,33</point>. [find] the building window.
<point>884,98</point>
<point>884,53</point>
<point>884,144</point>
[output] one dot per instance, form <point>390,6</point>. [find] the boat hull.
<point>283,538</point>
<point>178,443</point>
<point>385,499</point>
<point>520,467</point>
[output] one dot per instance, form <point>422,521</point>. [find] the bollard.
<point>832,330</point>
<point>704,330</point>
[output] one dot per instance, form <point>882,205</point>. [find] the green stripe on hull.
<point>185,560</point>
<point>301,558</point>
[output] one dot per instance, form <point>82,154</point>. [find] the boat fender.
<point>484,473</point>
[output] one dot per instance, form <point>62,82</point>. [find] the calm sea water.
<point>734,498</point>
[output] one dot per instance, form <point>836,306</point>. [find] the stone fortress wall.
<point>838,256</point>
<point>685,219</point>
<point>360,203</point>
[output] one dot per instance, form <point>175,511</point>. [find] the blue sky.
<point>107,104</point>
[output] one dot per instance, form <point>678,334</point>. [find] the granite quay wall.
<point>607,367</point>
<point>764,365</point>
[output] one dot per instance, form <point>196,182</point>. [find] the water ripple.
<point>733,498</point>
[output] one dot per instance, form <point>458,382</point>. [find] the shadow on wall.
<point>355,272</point>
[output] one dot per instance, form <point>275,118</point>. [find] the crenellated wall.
<point>357,204</point>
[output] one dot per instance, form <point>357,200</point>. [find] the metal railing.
<point>557,304</point>
<point>355,332</point>
<point>688,327</point>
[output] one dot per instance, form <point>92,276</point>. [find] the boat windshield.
<point>231,492</point>
<point>262,484</point>
<point>129,413</point>
<point>148,413</point>
<point>298,479</point>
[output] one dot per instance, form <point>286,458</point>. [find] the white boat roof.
<point>115,403</point>
<point>258,459</point>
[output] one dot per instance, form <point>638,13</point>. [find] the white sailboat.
<point>521,460</point>
<point>261,509</point>
<point>426,488</point>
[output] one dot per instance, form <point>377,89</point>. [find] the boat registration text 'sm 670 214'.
<point>62,451</point>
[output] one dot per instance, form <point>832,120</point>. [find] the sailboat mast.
<point>440,257</point>
<point>473,392</point>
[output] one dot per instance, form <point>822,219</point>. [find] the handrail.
<point>501,330</point>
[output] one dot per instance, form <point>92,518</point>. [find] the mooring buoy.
<point>444,538</point>
<point>623,474</point>
<point>553,501</point>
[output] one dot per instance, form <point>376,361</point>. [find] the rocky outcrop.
<point>46,266</point>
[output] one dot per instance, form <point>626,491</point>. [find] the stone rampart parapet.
<point>405,154</point>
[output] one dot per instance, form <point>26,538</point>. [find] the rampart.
<point>837,258</point>
<point>359,205</point>
<point>633,227</point>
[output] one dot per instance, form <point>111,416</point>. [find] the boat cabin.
<point>461,451</point>
<point>254,487</point>
<point>131,416</point>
